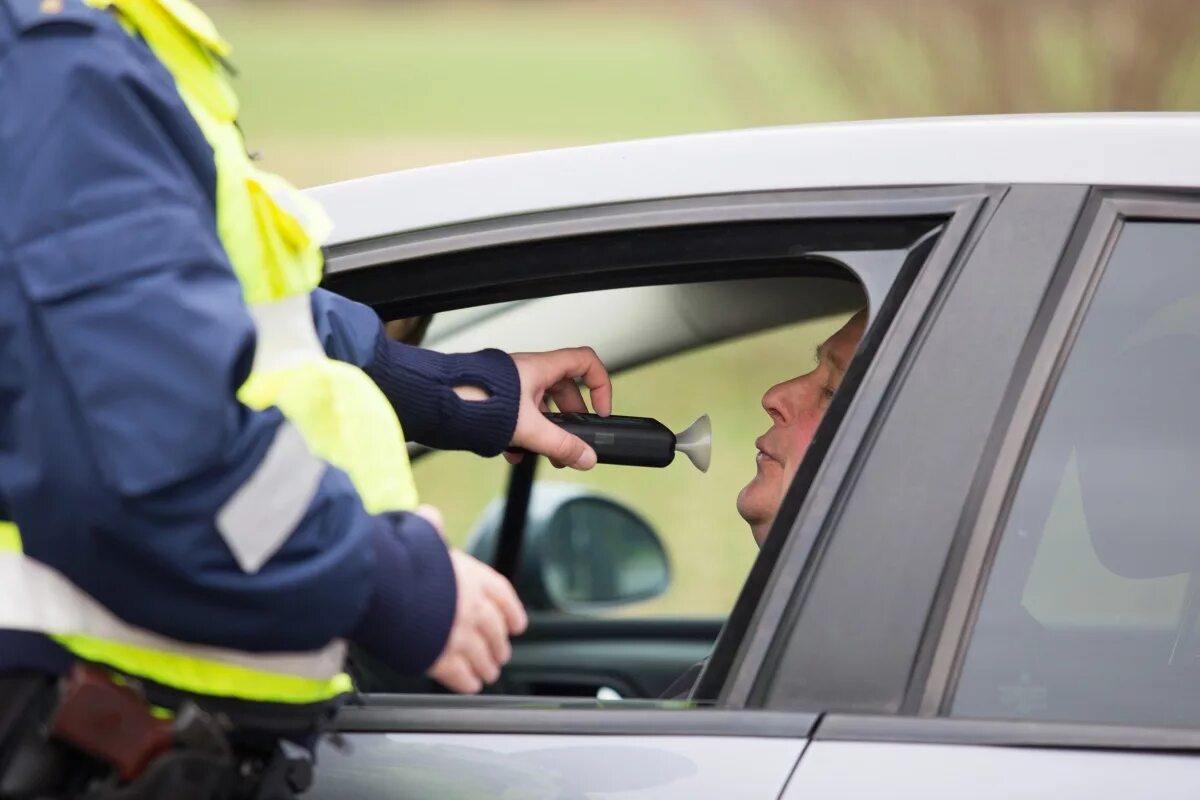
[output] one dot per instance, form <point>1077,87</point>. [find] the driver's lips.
<point>765,454</point>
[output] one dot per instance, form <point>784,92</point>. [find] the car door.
<point>906,246</point>
<point>1060,651</point>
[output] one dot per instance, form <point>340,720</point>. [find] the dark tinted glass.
<point>1091,610</point>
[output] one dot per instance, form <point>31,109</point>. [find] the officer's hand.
<point>554,374</point>
<point>487,613</point>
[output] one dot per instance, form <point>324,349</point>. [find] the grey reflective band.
<point>37,597</point>
<point>264,511</point>
<point>286,334</point>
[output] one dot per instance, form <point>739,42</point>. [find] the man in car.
<point>795,407</point>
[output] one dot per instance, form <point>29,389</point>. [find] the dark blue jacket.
<point>123,340</point>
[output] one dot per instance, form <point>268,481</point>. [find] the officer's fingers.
<point>559,446</point>
<point>492,626</point>
<point>501,592</point>
<point>585,364</point>
<point>455,673</point>
<point>478,653</point>
<point>513,458</point>
<point>568,398</point>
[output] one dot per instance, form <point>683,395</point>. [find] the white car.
<point>984,580</point>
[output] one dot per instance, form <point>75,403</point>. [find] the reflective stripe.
<point>186,674</point>
<point>265,510</point>
<point>61,610</point>
<point>37,597</point>
<point>287,335</point>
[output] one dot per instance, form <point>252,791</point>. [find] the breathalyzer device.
<point>638,441</point>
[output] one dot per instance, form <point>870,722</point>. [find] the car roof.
<point>1152,150</point>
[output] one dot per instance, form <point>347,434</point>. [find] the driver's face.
<point>795,408</point>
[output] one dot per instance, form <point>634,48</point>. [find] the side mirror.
<point>581,551</point>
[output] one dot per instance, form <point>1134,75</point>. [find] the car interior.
<point>631,574</point>
<point>587,562</point>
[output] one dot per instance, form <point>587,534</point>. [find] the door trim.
<point>672,212</point>
<point>1004,733</point>
<point>436,714</point>
<point>424,262</point>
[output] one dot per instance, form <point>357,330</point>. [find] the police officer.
<point>203,479</point>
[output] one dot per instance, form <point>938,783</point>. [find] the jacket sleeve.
<point>420,383</point>
<point>125,457</point>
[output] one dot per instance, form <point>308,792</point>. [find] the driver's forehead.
<point>842,344</point>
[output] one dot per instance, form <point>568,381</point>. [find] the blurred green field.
<point>330,93</point>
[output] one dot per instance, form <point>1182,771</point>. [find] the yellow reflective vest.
<point>272,234</point>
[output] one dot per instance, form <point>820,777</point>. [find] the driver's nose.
<point>784,401</point>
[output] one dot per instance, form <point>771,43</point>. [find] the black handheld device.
<point>638,441</point>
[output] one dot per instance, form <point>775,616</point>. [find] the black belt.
<point>84,737</point>
<point>25,700</point>
<point>30,765</point>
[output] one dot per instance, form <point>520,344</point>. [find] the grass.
<point>375,87</point>
<point>332,91</point>
<point>383,70</point>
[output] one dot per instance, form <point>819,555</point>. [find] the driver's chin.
<point>756,505</point>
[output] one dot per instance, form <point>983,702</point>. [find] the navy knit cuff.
<point>408,618</point>
<point>482,426</point>
<point>420,385</point>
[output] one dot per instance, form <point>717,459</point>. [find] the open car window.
<point>708,546</point>
<point>696,318</point>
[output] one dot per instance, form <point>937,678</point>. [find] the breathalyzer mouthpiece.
<point>696,443</point>
<point>639,441</point>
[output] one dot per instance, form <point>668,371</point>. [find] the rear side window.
<point>1092,608</point>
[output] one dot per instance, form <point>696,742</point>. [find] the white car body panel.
<point>1157,150</point>
<point>901,771</point>
<point>565,767</point>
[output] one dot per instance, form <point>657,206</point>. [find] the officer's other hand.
<point>432,515</point>
<point>487,613</point>
<point>554,375</point>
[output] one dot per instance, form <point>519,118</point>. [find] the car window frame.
<point>904,309</point>
<point>359,269</point>
<point>823,659</point>
<point>1047,351</point>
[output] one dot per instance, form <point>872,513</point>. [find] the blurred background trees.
<point>337,89</point>
<point>1002,56</point>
